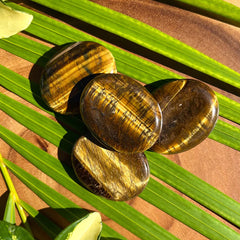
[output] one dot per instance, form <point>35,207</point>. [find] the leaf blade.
<point>10,231</point>
<point>227,136</point>
<point>222,209</point>
<point>217,9</point>
<point>186,212</point>
<point>47,225</point>
<point>144,35</point>
<point>134,221</point>
<point>194,187</point>
<point>194,218</point>
<point>223,133</point>
<point>38,123</point>
<point>129,64</point>
<point>9,213</point>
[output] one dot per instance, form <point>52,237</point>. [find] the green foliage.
<point>145,36</point>
<point>59,33</point>
<point>9,214</point>
<point>10,231</point>
<point>127,63</point>
<point>215,8</point>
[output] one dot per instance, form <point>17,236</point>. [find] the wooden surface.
<point>213,162</point>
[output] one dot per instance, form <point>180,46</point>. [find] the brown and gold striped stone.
<point>66,74</point>
<point>189,110</point>
<point>121,113</point>
<point>113,175</point>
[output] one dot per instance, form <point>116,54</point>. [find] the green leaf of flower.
<point>13,232</point>
<point>9,214</point>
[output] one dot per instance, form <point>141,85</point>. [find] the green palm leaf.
<point>120,212</point>
<point>58,33</point>
<point>194,187</point>
<point>47,225</point>
<point>167,200</point>
<point>219,9</point>
<point>129,64</point>
<point>223,132</point>
<point>144,35</point>
<point>50,130</point>
<point>53,132</point>
<point>9,214</point>
<point>61,204</point>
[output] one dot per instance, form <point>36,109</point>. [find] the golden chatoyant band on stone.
<point>123,118</point>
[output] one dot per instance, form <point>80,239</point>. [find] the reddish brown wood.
<point>213,162</point>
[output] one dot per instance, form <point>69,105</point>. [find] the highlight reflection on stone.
<point>121,113</point>
<point>189,110</point>
<point>113,175</point>
<point>64,76</point>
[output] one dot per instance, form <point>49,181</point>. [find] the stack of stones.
<point>123,118</point>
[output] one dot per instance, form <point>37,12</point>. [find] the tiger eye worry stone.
<point>64,76</point>
<point>189,110</point>
<point>110,174</point>
<point>121,113</point>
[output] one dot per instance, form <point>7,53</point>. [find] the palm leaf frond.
<point>58,33</point>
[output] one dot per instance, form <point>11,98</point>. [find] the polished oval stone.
<point>121,113</point>
<point>113,175</point>
<point>66,74</point>
<point>189,111</point>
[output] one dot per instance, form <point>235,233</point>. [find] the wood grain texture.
<point>211,161</point>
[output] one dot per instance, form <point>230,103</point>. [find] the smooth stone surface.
<point>66,74</point>
<point>121,113</point>
<point>190,111</point>
<point>113,175</point>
